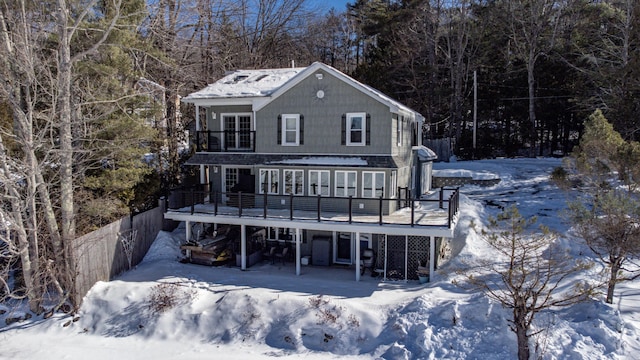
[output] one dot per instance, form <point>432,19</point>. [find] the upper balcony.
<point>225,141</point>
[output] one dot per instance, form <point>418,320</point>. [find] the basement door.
<point>344,246</point>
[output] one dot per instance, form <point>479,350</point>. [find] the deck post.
<point>291,206</point>
<point>297,251</point>
<point>358,256</point>
<point>432,257</point>
<point>264,205</point>
<point>188,236</point>
<point>243,247</point>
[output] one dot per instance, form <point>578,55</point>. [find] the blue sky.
<point>339,5</point>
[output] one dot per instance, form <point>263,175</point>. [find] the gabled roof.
<point>313,68</point>
<point>245,83</point>
<point>260,87</point>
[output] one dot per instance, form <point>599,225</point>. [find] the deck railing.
<point>225,141</point>
<point>437,211</point>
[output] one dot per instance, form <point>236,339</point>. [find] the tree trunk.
<point>613,279</point>
<point>520,325</point>
<point>532,109</point>
<point>67,206</point>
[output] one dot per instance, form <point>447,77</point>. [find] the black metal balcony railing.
<point>439,211</point>
<point>224,141</point>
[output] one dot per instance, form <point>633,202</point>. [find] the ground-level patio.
<point>399,250</point>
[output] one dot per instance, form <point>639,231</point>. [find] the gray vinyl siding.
<point>323,118</point>
<point>214,124</point>
<point>369,206</point>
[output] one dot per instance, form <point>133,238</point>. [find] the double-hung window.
<point>293,182</point>
<point>399,130</point>
<point>319,182</point>
<point>346,183</point>
<point>269,181</point>
<point>394,184</point>
<point>291,129</point>
<point>356,126</point>
<point>372,184</point>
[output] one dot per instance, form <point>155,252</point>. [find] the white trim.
<point>243,247</point>
<point>358,256</point>
<point>390,229</point>
<point>363,128</point>
<point>298,251</point>
<point>432,257</point>
<point>319,185</point>
<point>394,105</point>
<point>345,188</point>
<point>393,187</point>
<point>236,115</point>
<point>399,130</point>
<point>269,178</point>
<point>293,178</point>
<point>283,125</point>
<point>374,185</point>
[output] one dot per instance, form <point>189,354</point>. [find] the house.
<point>312,161</point>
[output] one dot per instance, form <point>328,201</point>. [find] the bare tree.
<point>533,29</point>
<point>38,64</point>
<point>527,273</point>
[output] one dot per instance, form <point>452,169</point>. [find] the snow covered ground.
<point>267,311</point>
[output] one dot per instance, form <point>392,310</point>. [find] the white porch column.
<point>198,127</point>
<point>187,228</point>
<point>358,256</point>
<point>203,177</point>
<point>386,255</point>
<point>297,251</point>
<point>432,257</point>
<point>406,257</point>
<point>243,247</point>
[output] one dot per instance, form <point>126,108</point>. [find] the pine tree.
<point>527,273</point>
<point>607,215</point>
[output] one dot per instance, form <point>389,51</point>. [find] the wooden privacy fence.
<point>100,255</point>
<point>442,147</point>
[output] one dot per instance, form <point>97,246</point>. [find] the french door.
<point>237,128</point>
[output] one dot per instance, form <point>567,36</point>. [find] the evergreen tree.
<point>607,215</point>
<point>528,272</point>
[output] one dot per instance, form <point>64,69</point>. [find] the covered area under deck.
<point>390,243</point>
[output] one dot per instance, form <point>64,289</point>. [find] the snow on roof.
<point>246,83</point>
<point>324,160</point>
<point>426,154</point>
